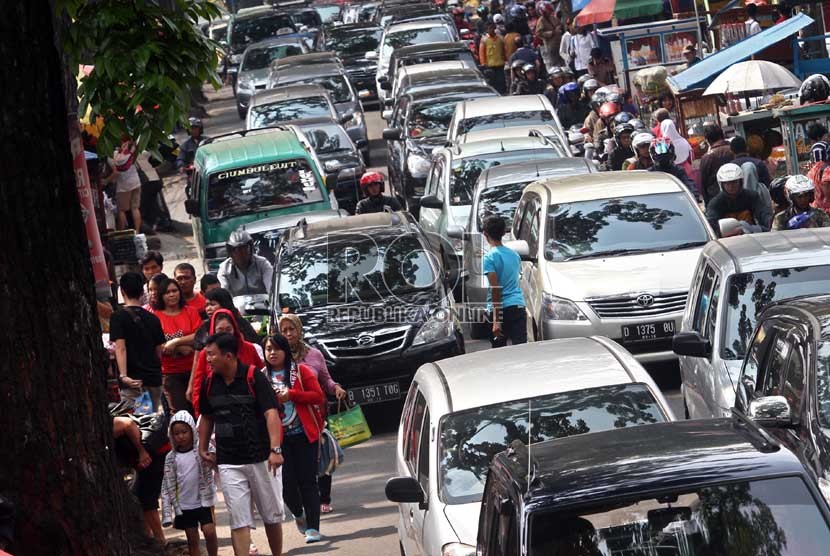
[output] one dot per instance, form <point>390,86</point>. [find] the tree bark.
<point>56,459</point>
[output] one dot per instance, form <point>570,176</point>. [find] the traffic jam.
<point>568,258</point>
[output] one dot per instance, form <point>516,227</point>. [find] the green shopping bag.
<point>349,427</point>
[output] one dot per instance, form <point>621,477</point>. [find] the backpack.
<point>249,379</point>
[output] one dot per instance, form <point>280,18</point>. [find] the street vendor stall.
<point>794,123</point>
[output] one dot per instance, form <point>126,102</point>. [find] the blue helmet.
<point>565,90</point>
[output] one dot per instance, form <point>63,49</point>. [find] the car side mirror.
<point>691,344</point>
<point>405,490</point>
<point>431,202</point>
<point>455,232</point>
<point>361,143</point>
<point>383,79</point>
<point>392,133</point>
<point>385,85</point>
<point>770,411</point>
<point>191,206</point>
<point>521,247</point>
<point>345,118</point>
<point>730,227</point>
<point>371,55</point>
<point>451,277</point>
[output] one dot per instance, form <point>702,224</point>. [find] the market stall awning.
<point>600,11</point>
<point>702,73</point>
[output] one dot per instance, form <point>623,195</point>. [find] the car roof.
<point>380,221</point>
<point>486,106</point>
<point>247,148</point>
<point>288,92</point>
<point>285,221</point>
<point>437,47</point>
<point>549,367</point>
<point>533,170</point>
<point>450,90</point>
<point>257,11</point>
<point>657,457</point>
<point>413,25</point>
<point>495,145</point>
<point>790,248</point>
<point>419,69</point>
<point>307,59</point>
<point>812,308</point>
<point>276,41</point>
<point>607,185</point>
<point>308,71</point>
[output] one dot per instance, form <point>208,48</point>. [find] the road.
<point>363,521</point>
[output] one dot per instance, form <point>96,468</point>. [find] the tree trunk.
<point>56,458</point>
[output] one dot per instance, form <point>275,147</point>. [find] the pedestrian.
<point>491,56</point>
<point>292,328</point>
<point>208,282</point>
<point>524,53</point>
<point>152,263</point>
<point>565,45</point>
<point>185,275</point>
<point>784,12</point>
<point>127,185</point>
<point>222,321</point>
<point>719,153</point>
<point>683,152</point>
<point>238,403</point>
<point>658,117</point>
<point>549,33</point>
<point>187,150</point>
<point>581,45</point>
<point>187,490</point>
<point>600,67</point>
<point>138,339</point>
<point>751,24</point>
<point>739,148</point>
<point>179,323</point>
<point>800,214</point>
<point>505,302</point>
<point>244,273</point>
<point>151,187</point>
<point>690,55</point>
<point>153,288</point>
<point>300,396</point>
<point>736,202</point>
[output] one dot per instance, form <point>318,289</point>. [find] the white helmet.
<point>799,184</point>
<point>238,238</point>
<point>642,139</point>
<point>730,172</point>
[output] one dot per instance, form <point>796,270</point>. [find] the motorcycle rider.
<point>459,18</point>
<point>516,75</point>
<point>530,85</point>
<point>662,154</point>
<point>244,273</point>
<point>571,112</point>
<point>187,150</point>
<point>642,157</point>
<point>372,185</point>
<point>603,132</point>
<point>622,146</point>
<point>734,201</point>
<point>802,193</point>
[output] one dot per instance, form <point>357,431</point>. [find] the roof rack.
<point>240,133</point>
<point>306,230</point>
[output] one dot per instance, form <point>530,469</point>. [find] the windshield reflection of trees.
<point>406,38</point>
<point>272,114</point>
<point>326,139</point>
<point>500,201</point>
<point>353,43</point>
<point>470,440</point>
<point>504,120</point>
<point>259,59</point>
<point>576,232</point>
<point>274,188</point>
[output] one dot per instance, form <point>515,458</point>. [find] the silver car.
<point>735,280</point>
<point>294,102</point>
<point>463,410</point>
<point>610,253</point>
<point>256,64</point>
<point>497,193</point>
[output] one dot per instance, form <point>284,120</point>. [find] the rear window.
<point>255,29</point>
<point>262,57</point>
<point>296,109</point>
<point>507,119</point>
<point>500,201</point>
<point>260,188</point>
<point>466,171</point>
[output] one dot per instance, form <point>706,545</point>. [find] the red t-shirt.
<point>198,302</point>
<point>177,326</point>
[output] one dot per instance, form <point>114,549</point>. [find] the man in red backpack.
<point>240,405</point>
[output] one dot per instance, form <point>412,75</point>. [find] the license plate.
<point>645,332</point>
<point>375,393</point>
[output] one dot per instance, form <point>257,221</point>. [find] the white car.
<point>472,116</point>
<point>462,411</point>
<point>611,253</point>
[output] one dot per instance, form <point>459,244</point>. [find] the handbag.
<point>349,427</point>
<point>331,454</point>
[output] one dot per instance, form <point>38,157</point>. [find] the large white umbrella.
<point>753,75</point>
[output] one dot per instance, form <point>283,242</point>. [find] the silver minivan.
<point>735,279</point>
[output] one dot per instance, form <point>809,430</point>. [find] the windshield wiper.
<point>690,244</point>
<point>603,254</point>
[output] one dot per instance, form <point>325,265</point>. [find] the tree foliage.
<point>147,56</point>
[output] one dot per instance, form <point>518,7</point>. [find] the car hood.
<point>344,108</point>
<point>257,77</point>
<point>463,519</point>
<point>649,272</point>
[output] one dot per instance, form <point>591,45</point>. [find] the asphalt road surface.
<point>363,521</point>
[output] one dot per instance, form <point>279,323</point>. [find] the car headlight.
<point>458,549</point>
<point>559,308</point>
<point>437,327</point>
<point>418,166</point>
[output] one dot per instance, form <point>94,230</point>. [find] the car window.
<point>262,57</point>
<point>440,181</point>
<point>353,42</point>
<point>434,173</point>
<point>533,232</point>
<point>704,297</point>
<point>505,119</point>
<point>501,201</point>
<point>755,358</point>
<point>266,115</point>
<point>327,138</point>
<point>430,120</point>
<point>518,218</point>
<point>794,373</point>
<point>423,454</point>
<point>413,444</point>
<point>712,313</point>
<point>406,417</point>
<point>823,383</point>
<point>251,30</point>
<point>773,368</point>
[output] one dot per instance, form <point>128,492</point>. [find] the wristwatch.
<point>277,450</point>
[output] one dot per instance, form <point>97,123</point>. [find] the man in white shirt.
<point>752,25</point>
<point>244,273</point>
<point>565,45</point>
<point>581,45</point>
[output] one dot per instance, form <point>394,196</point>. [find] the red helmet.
<point>370,178</point>
<point>609,110</point>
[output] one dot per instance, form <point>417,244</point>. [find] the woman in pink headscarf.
<point>820,175</point>
<point>684,154</point>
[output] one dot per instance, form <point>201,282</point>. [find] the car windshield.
<point>506,119</point>
<point>262,57</point>
<point>469,439</point>
<point>465,171</point>
<point>353,42</point>
<point>748,294</point>
<point>253,189</point>
<point>295,109</point>
<point>328,14</point>
<point>336,85</point>
<point>327,138</point>
<point>466,57</point>
<point>399,39</point>
<point>761,517</point>
<point>501,201</point>
<point>353,268</point>
<point>622,226</point>
<point>250,30</point>
<point>430,120</point>
<point>218,33</point>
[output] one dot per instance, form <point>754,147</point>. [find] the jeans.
<point>495,78</point>
<point>299,478</point>
<point>513,326</point>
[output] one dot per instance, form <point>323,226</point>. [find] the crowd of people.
<point>246,412</point>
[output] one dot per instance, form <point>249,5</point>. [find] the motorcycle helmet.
<point>614,96</point>
<point>662,152</point>
<point>730,172</point>
<point>642,139</point>
<point>597,100</point>
<point>529,67</point>
<point>517,67</point>
<point>815,88</point>
<point>590,85</point>
<point>239,238</point>
<point>498,19</point>
<point>623,117</point>
<point>582,79</point>
<point>196,122</point>
<point>798,184</point>
<point>621,129</point>
<point>517,12</point>
<point>569,74</point>
<point>557,71</point>
<point>778,191</point>
<point>609,110</point>
<point>369,178</point>
<point>482,12</point>
<point>638,124</point>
